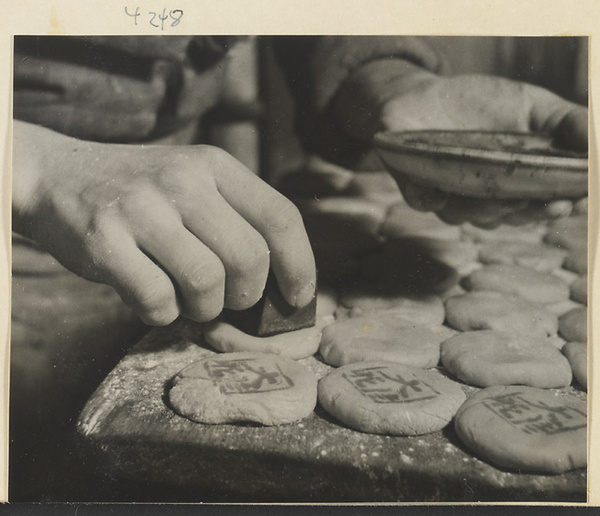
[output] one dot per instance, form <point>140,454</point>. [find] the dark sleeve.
<point>315,68</point>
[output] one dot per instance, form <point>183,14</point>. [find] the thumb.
<point>565,121</point>
<point>572,131</point>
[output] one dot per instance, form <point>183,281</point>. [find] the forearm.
<point>327,73</point>
<point>30,143</point>
<point>357,107</point>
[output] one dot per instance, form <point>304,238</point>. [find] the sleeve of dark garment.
<point>316,67</point>
<point>117,88</point>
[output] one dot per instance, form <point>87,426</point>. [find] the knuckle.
<point>156,302</point>
<point>203,277</point>
<point>250,257</point>
<point>213,155</point>
<point>282,215</point>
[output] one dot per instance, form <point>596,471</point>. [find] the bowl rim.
<point>388,140</point>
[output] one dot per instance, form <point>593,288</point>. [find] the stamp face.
<point>535,418</point>
<point>246,376</point>
<point>384,386</point>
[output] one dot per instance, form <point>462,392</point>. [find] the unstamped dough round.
<point>525,428</point>
<point>495,311</point>
<point>579,289</point>
<point>222,336</point>
<point>576,353</point>
<point>237,387</point>
<point>541,257</point>
<point>367,300</point>
<point>387,398</point>
<point>521,281</point>
<point>577,261</point>
<point>573,325</point>
<point>382,338</point>
<point>486,358</point>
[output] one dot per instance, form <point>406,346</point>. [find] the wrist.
<point>358,104</point>
<point>36,154</point>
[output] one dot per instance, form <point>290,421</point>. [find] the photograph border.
<point>426,17</point>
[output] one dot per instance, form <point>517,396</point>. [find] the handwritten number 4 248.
<point>157,19</point>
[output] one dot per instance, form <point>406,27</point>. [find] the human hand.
<point>175,230</point>
<point>409,98</point>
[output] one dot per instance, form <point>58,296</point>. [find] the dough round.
<point>577,261</point>
<point>531,233</point>
<point>541,257</point>
<point>573,325</point>
<point>579,289</point>
<point>576,353</point>
<point>459,254</point>
<point>298,344</point>
<point>368,300</point>
<point>237,387</point>
<point>408,266</point>
<point>387,398</point>
<point>569,233</point>
<point>525,428</point>
<point>404,221</point>
<point>382,338</point>
<point>521,281</point>
<point>486,358</point>
<point>495,311</point>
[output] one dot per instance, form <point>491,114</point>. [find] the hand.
<point>404,97</point>
<point>175,230</point>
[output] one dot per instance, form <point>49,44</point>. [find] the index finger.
<point>278,220</point>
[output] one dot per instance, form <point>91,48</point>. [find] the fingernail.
<point>304,295</point>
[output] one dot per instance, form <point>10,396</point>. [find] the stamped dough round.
<point>573,325</point>
<point>382,338</point>
<point>298,344</point>
<point>521,281</point>
<point>238,387</point>
<point>541,257</point>
<point>576,353</point>
<point>386,398</point>
<point>525,428</point>
<point>495,311</point>
<point>368,300</point>
<point>486,358</point>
